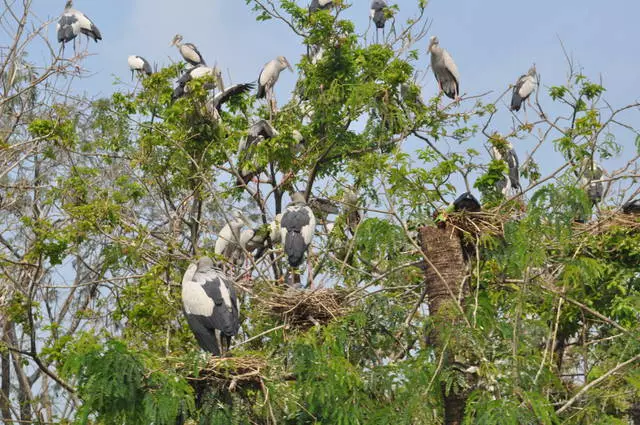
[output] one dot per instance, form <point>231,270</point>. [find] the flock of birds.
<point>209,297</point>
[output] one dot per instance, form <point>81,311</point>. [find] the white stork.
<point>510,157</point>
<point>140,65</point>
<point>72,22</point>
<point>592,173</point>
<point>210,306</point>
<point>444,69</point>
<point>320,5</point>
<point>269,77</point>
<point>193,74</point>
<point>228,240</point>
<point>297,228</point>
<point>523,88</point>
<point>261,130</point>
<point>189,51</point>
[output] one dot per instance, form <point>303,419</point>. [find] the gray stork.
<point>512,182</point>
<point>210,306</point>
<point>261,130</point>
<point>377,15</point>
<point>229,236</point>
<point>140,65</point>
<point>297,228</point>
<point>193,74</point>
<point>444,69</point>
<point>214,105</point>
<point>352,214</point>
<point>524,87</point>
<point>269,77</point>
<point>320,5</point>
<point>632,207</point>
<point>592,173</point>
<point>189,51</point>
<point>466,202</point>
<point>73,22</point>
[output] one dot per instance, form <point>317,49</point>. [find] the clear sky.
<point>492,41</point>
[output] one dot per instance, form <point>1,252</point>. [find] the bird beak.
<point>289,65</point>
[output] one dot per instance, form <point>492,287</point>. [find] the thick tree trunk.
<point>444,277</point>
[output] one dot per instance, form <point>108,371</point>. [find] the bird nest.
<point>303,309</point>
<point>229,373</point>
<point>477,224</point>
<point>610,220</point>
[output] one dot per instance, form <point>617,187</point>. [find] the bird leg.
<point>309,272</point>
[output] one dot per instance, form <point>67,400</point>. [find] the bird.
<point>261,130</point>
<point>296,229</point>
<point>524,87</point>
<point>444,69</point>
<point>214,105</point>
<point>210,306</point>
<point>466,202</point>
<point>377,14</point>
<point>512,182</point>
<point>592,172</point>
<point>73,22</point>
<point>320,5</point>
<point>189,51</point>
<point>632,207</point>
<point>229,236</point>
<point>194,73</point>
<point>269,77</point>
<point>351,211</point>
<point>323,207</point>
<point>140,65</point>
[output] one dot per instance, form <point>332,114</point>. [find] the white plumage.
<point>72,22</point>
<point>139,64</point>
<point>297,227</point>
<point>444,69</point>
<point>229,237</point>
<point>188,51</point>
<point>524,87</point>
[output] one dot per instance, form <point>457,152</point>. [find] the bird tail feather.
<point>295,248</point>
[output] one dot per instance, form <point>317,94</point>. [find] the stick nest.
<point>233,372</point>
<point>477,224</point>
<point>610,220</point>
<point>303,309</point>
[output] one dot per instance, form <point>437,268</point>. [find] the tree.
<point>517,314</point>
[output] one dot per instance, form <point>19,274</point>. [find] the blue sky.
<point>492,41</point>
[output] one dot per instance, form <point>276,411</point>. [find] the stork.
<point>377,14</point>
<point>210,306</point>
<point>73,22</point>
<point>523,88</point>
<point>229,236</point>
<point>193,74</point>
<point>632,207</point>
<point>592,173</point>
<point>320,5</point>
<point>296,229</point>
<point>269,77</point>
<point>140,65</point>
<point>261,130</point>
<point>510,157</point>
<point>466,202</point>
<point>352,214</point>
<point>215,104</point>
<point>444,69</point>
<point>189,51</point>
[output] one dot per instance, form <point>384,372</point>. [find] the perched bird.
<point>592,173</point>
<point>444,69</point>
<point>296,229</point>
<point>466,202</point>
<point>210,306</point>
<point>189,51</point>
<point>322,207</point>
<point>269,77</point>
<point>319,4</point>
<point>140,65</point>
<point>261,130</point>
<point>193,74</point>
<point>377,14</point>
<point>73,22</point>
<point>229,236</point>
<point>632,207</point>
<point>214,105</point>
<point>512,182</point>
<point>524,87</point>
<point>352,214</point>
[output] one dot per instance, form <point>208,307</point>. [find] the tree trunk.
<point>444,277</point>
<point>5,385</point>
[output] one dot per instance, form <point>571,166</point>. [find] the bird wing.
<point>514,168</point>
<point>146,66</point>
<point>526,85</point>
<point>451,65</point>
<point>88,27</point>
<point>310,228</point>
<point>65,27</point>
<point>193,54</point>
<point>225,315</point>
<point>235,90</point>
<point>262,128</point>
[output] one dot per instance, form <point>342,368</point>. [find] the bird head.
<point>69,4</point>
<point>298,198</point>
<point>239,216</point>
<point>532,70</point>
<point>205,264</point>
<point>284,63</point>
<point>433,41</point>
<point>177,39</point>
